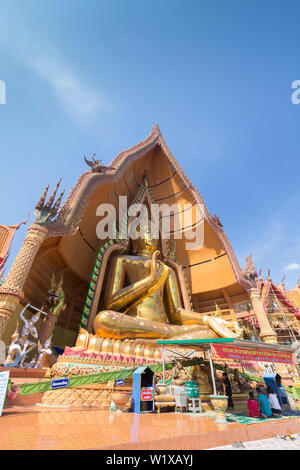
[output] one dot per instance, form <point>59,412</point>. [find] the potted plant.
<point>219,403</point>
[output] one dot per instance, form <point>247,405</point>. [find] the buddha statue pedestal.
<point>126,352</point>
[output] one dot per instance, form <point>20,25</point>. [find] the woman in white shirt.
<point>273,400</point>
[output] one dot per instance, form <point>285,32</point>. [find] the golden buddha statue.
<point>143,300</point>
<point>202,375</point>
<point>239,384</point>
<point>179,374</point>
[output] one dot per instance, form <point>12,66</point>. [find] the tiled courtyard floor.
<point>30,428</point>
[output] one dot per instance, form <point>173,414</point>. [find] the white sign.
<point>2,92</point>
<point>4,376</point>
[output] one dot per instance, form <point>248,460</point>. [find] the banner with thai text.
<point>242,354</point>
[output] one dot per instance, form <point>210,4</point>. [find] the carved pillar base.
<point>267,334</point>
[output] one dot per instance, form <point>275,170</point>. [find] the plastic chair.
<point>181,401</point>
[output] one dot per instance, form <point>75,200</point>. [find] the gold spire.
<point>281,285</point>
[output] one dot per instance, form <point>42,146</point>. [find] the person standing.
<point>227,390</point>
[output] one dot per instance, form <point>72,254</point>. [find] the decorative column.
<point>11,291</point>
<point>267,333</point>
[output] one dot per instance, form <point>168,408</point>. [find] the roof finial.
<point>52,197</point>
<point>17,226</point>
<point>217,220</point>
<point>155,128</point>
<point>259,276</point>
<point>45,213</point>
<point>281,286</point>
<point>57,204</point>
<point>41,202</point>
<point>298,283</point>
<point>269,273</point>
<point>249,264</point>
<point>96,165</point>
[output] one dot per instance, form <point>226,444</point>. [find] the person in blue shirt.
<point>264,404</point>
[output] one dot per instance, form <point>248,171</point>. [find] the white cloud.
<point>292,267</point>
<point>83,104</point>
<point>76,98</point>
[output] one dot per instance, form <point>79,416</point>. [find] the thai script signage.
<point>241,354</point>
<point>147,394</point>
<point>192,389</point>
<point>120,382</point>
<point>59,383</point>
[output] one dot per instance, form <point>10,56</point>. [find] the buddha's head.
<point>145,244</point>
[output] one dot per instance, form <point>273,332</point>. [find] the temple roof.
<point>72,244</point>
<point>268,287</point>
<point>167,184</point>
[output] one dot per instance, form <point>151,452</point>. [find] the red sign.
<point>242,354</point>
<point>147,394</point>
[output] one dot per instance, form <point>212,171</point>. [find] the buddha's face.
<point>145,242</point>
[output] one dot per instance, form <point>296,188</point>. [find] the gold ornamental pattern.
<point>267,334</point>
<point>19,271</point>
<point>11,292</point>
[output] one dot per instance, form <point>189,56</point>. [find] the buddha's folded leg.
<point>222,328</point>
<point>117,325</point>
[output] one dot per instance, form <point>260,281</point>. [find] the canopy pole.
<point>242,367</point>
<point>163,361</point>
<point>212,370</point>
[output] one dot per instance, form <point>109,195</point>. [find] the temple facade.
<point>63,242</point>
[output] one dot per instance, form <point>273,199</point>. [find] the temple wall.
<point>215,274</point>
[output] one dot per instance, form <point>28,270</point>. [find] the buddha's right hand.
<point>154,272</point>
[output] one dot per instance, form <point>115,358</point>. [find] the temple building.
<point>63,242</point>
<point>282,310</point>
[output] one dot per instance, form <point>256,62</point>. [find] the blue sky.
<point>87,76</point>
